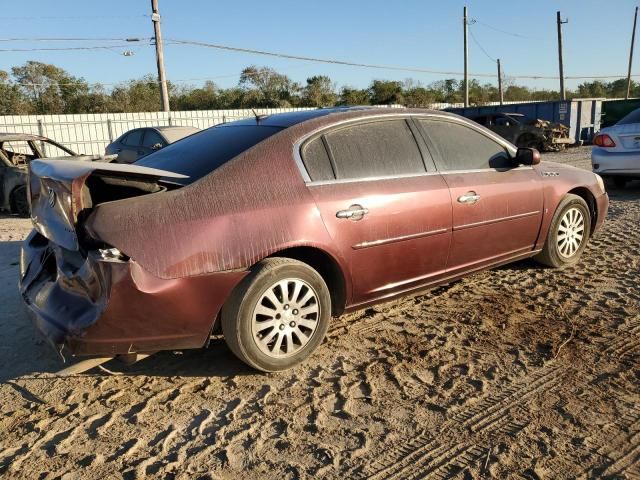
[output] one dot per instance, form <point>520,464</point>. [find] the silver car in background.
<point>136,143</point>
<point>616,150</point>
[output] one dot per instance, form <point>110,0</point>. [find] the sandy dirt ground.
<point>520,372</point>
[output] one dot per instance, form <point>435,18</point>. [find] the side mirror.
<point>156,146</point>
<point>527,156</point>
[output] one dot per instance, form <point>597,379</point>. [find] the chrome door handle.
<point>354,212</point>
<point>469,197</point>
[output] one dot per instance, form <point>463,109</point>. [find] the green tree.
<point>140,95</point>
<point>354,96</point>
<point>12,100</point>
<point>264,87</point>
<point>49,88</point>
<point>319,92</point>
<point>386,92</point>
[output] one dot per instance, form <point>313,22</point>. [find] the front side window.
<point>382,148</point>
<point>133,139</point>
<point>463,148</point>
<point>52,150</point>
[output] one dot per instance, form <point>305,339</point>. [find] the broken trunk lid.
<point>58,193</point>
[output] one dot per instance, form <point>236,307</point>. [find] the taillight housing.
<point>604,140</point>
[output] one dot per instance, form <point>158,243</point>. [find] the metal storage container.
<point>581,116</point>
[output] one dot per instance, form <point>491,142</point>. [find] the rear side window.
<point>133,138</point>
<point>382,148</point>
<point>203,152</point>
<point>463,148</point>
<point>316,160</point>
<point>633,117</point>
<point>151,138</point>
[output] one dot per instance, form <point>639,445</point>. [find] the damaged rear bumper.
<point>90,305</point>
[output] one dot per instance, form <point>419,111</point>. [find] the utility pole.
<point>466,60</point>
<point>162,78</point>
<point>633,40</point>
<point>560,61</point>
<point>500,83</point>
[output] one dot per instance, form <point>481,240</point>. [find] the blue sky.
<point>422,34</point>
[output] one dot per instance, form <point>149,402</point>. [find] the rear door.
<point>385,207</point>
<point>497,208</point>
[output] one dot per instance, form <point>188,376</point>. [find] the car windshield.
<point>633,117</point>
<point>203,152</point>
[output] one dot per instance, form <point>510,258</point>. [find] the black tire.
<point>619,182</point>
<point>551,254</point>
<point>238,315</point>
<point>19,202</point>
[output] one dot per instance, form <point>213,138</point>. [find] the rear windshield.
<point>633,117</point>
<point>203,152</point>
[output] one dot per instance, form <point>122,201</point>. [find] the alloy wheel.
<point>570,232</point>
<point>285,317</point>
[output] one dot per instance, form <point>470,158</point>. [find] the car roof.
<point>7,137</point>
<point>173,134</point>
<point>288,119</point>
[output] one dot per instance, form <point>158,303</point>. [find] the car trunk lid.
<point>626,137</point>
<point>62,191</point>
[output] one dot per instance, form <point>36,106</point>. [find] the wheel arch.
<point>327,266</point>
<point>590,199</point>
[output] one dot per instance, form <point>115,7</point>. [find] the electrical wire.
<point>78,17</point>
<point>475,20</point>
<point>50,49</point>
<point>316,59</point>
<point>475,40</point>
<point>382,67</point>
<point>75,39</point>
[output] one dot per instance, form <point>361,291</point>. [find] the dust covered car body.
<point>267,227</point>
<point>524,132</point>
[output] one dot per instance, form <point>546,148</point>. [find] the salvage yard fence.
<point>90,133</point>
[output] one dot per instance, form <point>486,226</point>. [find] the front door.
<point>497,207</point>
<point>390,218</point>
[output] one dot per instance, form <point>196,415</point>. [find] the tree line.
<point>40,88</point>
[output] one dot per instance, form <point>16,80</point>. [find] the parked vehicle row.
<point>265,228</point>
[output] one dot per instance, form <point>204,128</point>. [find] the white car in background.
<point>616,150</point>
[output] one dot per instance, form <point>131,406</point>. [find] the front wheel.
<point>278,315</point>
<point>568,233</point>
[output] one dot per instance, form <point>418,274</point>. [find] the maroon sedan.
<point>266,228</point>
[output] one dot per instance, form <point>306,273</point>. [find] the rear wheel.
<point>19,201</point>
<point>568,233</point>
<point>278,315</point>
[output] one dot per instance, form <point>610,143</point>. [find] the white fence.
<point>90,133</point>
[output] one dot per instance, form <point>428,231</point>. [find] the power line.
<point>74,39</point>
<point>318,60</point>
<point>475,20</point>
<point>285,56</point>
<point>475,40</point>
<point>77,17</point>
<point>62,49</point>
<point>380,67</point>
